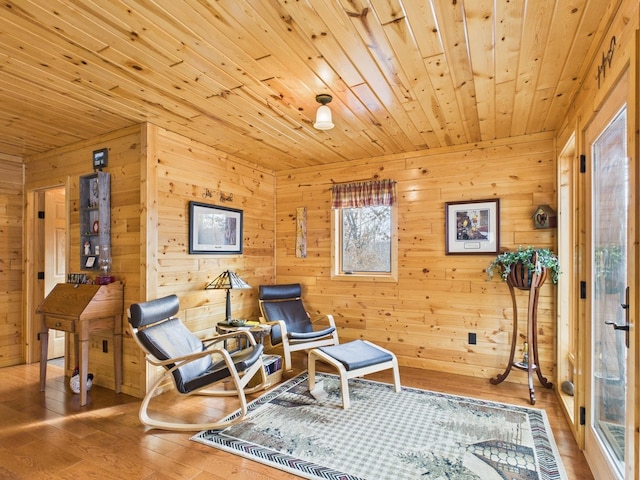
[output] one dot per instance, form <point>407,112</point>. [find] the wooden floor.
<point>48,435</point>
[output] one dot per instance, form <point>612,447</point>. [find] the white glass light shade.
<point>323,118</point>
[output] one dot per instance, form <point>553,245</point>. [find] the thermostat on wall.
<point>100,158</point>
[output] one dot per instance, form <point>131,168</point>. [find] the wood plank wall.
<point>190,171</point>
<point>601,75</point>
<point>182,170</point>
<point>178,170</point>
<point>63,167</point>
<point>426,316</point>
<point>11,205</point>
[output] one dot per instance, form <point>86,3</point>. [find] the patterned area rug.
<point>414,434</point>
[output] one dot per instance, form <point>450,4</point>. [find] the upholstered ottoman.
<point>353,359</point>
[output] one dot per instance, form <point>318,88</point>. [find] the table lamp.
<point>227,280</point>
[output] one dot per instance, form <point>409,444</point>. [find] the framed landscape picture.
<point>472,227</point>
<point>214,229</point>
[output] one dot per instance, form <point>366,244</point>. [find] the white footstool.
<point>353,359</point>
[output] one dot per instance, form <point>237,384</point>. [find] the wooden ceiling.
<point>242,75</point>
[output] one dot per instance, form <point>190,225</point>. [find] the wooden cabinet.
<point>95,217</point>
<point>81,310</point>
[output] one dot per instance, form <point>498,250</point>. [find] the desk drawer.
<point>60,324</point>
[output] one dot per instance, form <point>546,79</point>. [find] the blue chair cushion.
<point>311,335</point>
<point>171,339</point>
<point>283,302</point>
<point>166,337</point>
<point>242,360</point>
<point>357,354</point>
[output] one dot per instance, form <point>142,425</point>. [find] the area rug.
<point>384,435</point>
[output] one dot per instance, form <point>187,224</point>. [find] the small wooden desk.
<point>82,310</point>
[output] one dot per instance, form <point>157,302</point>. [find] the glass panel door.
<point>609,294</point>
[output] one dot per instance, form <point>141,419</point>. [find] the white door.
<point>55,222</point>
<point>609,414</point>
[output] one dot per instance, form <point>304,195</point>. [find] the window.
<point>364,230</point>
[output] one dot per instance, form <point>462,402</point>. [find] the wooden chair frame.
<point>239,381</point>
<point>345,374</point>
<point>289,344</point>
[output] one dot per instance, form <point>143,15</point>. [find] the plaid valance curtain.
<point>364,194</point>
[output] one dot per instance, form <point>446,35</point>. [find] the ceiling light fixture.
<point>323,115</point>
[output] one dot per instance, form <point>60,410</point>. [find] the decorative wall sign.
<point>606,60</point>
<point>472,227</point>
<point>301,232</point>
<point>224,197</point>
<point>214,229</point>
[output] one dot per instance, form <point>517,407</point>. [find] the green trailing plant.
<point>505,260</point>
<point>608,260</point>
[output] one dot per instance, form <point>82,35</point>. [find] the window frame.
<point>336,250</point>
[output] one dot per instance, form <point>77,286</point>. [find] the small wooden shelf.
<point>95,217</point>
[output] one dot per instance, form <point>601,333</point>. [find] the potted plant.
<point>519,266</point>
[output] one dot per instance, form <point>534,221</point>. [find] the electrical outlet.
<point>472,338</point>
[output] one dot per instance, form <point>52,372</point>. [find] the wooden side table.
<point>81,310</point>
<point>258,332</point>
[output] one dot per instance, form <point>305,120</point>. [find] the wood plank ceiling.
<point>242,75</point>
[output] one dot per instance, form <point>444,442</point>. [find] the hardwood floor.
<point>48,435</point>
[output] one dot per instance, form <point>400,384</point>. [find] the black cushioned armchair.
<point>291,325</point>
<point>194,365</point>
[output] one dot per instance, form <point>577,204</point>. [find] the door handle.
<point>618,327</point>
<point>625,327</point>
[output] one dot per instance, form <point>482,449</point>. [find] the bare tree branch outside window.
<point>366,239</point>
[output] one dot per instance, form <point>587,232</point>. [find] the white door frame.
<point>622,93</point>
<point>33,288</point>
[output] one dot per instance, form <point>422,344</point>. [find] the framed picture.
<point>472,227</point>
<point>214,229</point>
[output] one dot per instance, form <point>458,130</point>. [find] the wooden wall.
<point>426,316</point>
<point>154,175</point>
<point>11,203</point>
<point>189,171</point>
<point>63,167</point>
<point>601,76</point>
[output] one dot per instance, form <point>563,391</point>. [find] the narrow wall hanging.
<point>301,232</point>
